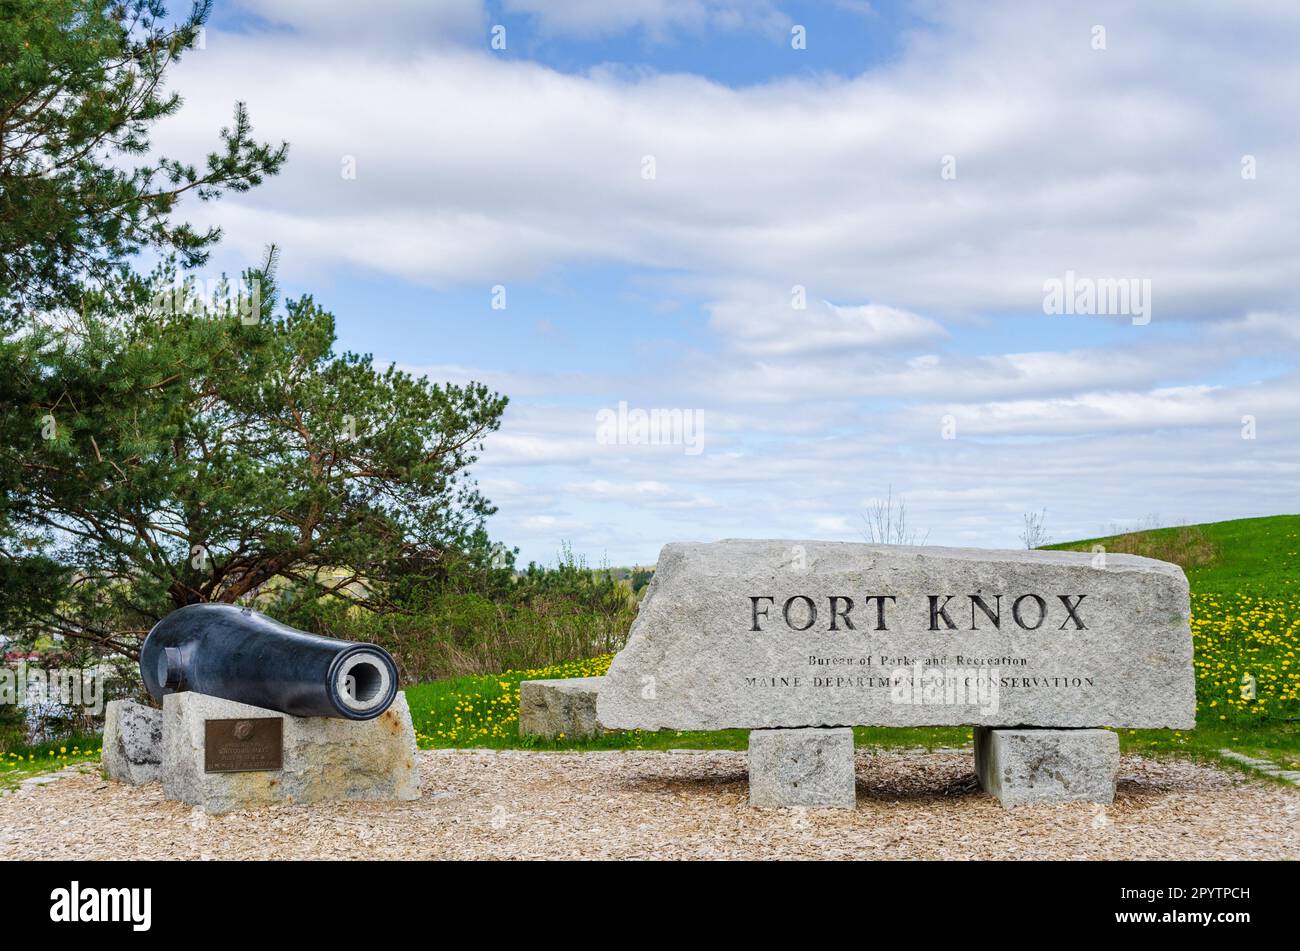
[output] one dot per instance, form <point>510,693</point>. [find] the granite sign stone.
<point>781,634</point>
<point>754,634</point>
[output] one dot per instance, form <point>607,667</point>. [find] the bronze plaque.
<point>243,746</point>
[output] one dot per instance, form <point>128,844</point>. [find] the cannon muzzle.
<point>241,655</point>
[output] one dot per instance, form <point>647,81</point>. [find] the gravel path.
<point>515,804</point>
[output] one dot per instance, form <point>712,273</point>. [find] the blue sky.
<point>919,171</point>
<point>847,37</point>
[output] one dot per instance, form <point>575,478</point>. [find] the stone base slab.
<point>325,758</point>
<point>132,742</point>
<point>548,708</point>
<point>809,767</point>
<point>1025,766</point>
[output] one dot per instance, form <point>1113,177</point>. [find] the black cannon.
<point>241,655</point>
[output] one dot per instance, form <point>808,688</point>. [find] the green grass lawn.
<point>1246,620</point>
<point>1245,582</point>
<point>1255,556</point>
<point>21,762</point>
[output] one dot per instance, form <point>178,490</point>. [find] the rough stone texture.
<point>325,758</point>
<point>550,707</point>
<point>133,742</point>
<point>808,767</point>
<point>693,662</point>
<point>1037,766</point>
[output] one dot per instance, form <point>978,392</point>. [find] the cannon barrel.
<point>241,655</point>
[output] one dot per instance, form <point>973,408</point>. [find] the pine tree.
<point>80,88</point>
<point>81,83</point>
<point>197,450</point>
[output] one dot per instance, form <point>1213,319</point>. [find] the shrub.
<point>467,621</point>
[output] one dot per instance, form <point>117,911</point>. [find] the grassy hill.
<point>1258,556</point>
<point>1244,577</point>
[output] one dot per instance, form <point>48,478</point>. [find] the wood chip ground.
<point>480,804</point>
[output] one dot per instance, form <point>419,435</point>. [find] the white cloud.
<point>643,492</point>
<point>957,376</point>
<point>775,327</point>
<point>1165,408</point>
<point>474,169</point>
<point>831,524</point>
<point>658,18</point>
